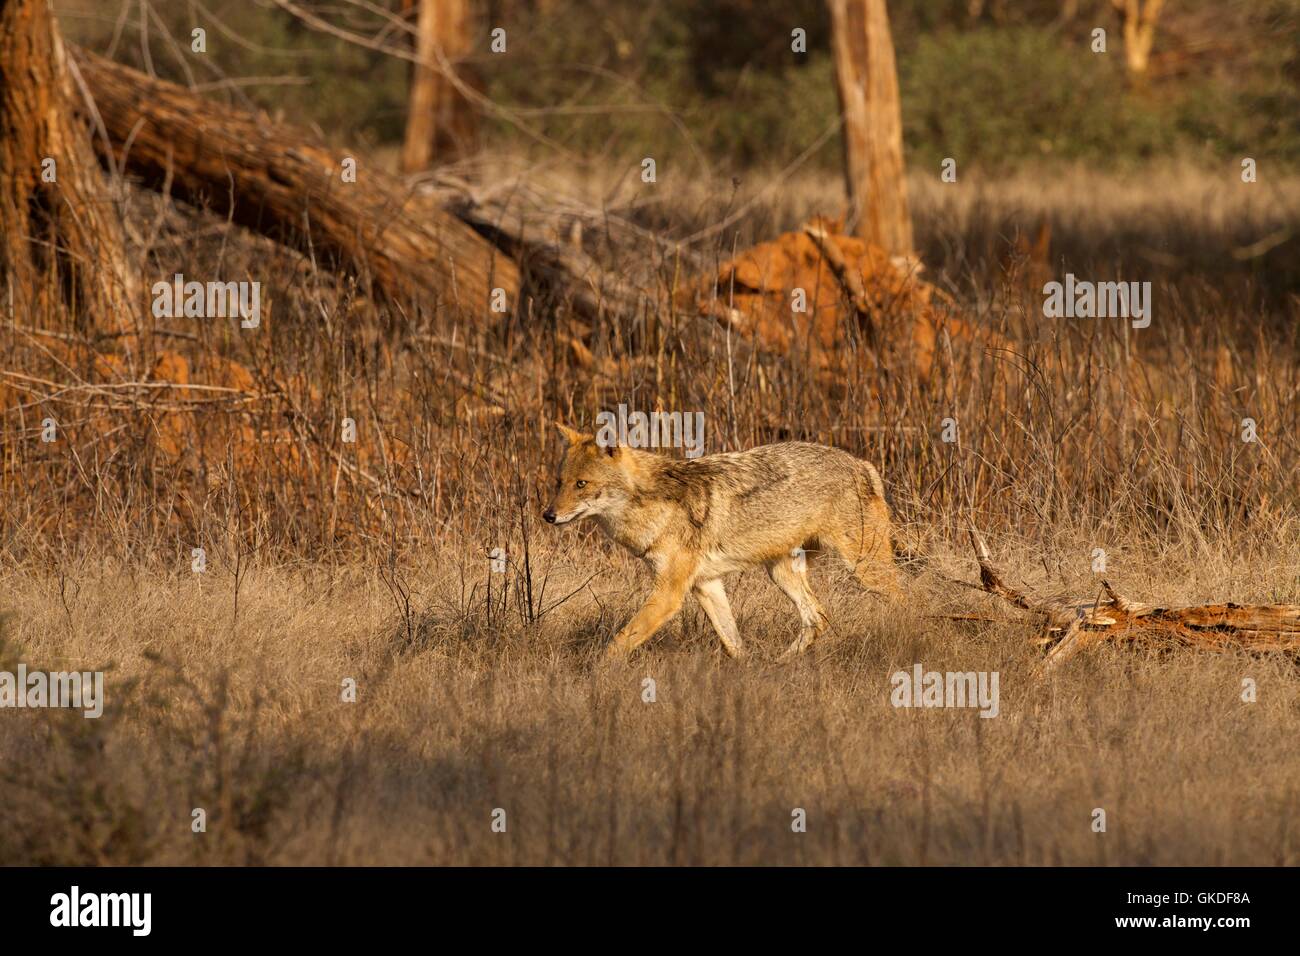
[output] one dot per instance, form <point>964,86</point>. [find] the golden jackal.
<point>696,520</point>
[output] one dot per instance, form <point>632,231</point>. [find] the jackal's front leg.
<point>664,601</point>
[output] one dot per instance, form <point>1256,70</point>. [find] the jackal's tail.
<point>906,559</point>
<point>873,480</point>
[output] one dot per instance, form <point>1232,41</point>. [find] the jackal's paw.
<point>736,652</point>
<point>801,644</point>
<point>615,651</point>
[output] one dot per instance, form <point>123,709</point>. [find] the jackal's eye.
<point>580,484</point>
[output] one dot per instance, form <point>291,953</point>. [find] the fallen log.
<point>1068,626</point>
<point>549,260</point>
<point>275,181</point>
<point>547,234</point>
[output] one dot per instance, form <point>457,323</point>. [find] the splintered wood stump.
<point>850,281</point>
<point>60,238</point>
<point>275,181</point>
<point>1068,626</point>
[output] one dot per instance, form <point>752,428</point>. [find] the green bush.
<point>998,98</point>
<point>770,118</point>
<point>1258,115</point>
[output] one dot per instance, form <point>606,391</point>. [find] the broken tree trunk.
<point>273,180</point>
<point>60,236</point>
<point>867,82</point>
<point>533,237</point>
<point>549,234</point>
<point>1068,626</point>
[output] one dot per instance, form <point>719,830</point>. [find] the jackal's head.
<point>593,480</point>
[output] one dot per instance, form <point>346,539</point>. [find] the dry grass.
<point>466,708</point>
<point>477,690</point>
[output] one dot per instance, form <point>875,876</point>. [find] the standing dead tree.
<point>275,181</point>
<point>1068,626</point>
<point>867,81</point>
<point>440,124</point>
<point>60,235</point>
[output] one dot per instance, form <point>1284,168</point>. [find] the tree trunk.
<point>60,236</point>
<point>873,128</point>
<point>439,120</point>
<point>274,181</point>
<point>1139,18</point>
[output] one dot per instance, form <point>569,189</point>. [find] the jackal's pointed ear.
<point>571,436</point>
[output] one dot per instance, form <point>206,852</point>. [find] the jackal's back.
<point>760,503</point>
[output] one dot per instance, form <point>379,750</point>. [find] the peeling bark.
<point>61,246</point>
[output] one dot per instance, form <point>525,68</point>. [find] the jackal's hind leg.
<point>794,584</point>
<point>713,598</point>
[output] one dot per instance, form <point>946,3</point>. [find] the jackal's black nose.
<point>549,516</point>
